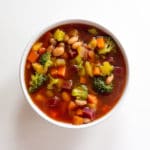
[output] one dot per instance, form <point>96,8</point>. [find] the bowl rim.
<point>22,69</point>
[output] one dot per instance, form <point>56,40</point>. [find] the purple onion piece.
<point>72,53</point>
<point>67,84</point>
<point>89,113</point>
<point>54,101</point>
<point>110,59</point>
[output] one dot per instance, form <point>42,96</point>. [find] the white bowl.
<point>22,70</point>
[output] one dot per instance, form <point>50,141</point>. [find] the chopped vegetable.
<point>106,68</point>
<point>79,64</point>
<point>72,105</point>
<point>96,71</point>
<point>93,43</point>
<point>100,42</point>
<point>61,71</point>
<point>89,113</point>
<point>88,68</point>
<point>52,82</point>
<point>33,56</point>
<point>93,31</point>
<point>82,80</point>
<point>39,68</point>
<point>59,35</point>
<point>37,46</point>
<point>36,81</point>
<point>80,92</point>
<point>92,99</point>
<point>45,59</point>
<point>100,86</point>
<point>109,46</point>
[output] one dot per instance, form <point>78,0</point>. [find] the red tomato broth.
<point>105,101</point>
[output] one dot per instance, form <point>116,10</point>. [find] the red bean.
<point>89,113</point>
<point>54,101</point>
<point>67,84</point>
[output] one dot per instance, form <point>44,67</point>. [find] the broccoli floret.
<point>93,31</point>
<point>53,81</point>
<point>37,80</point>
<point>80,92</point>
<point>100,86</point>
<point>109,46</point>
<point>45,60</point>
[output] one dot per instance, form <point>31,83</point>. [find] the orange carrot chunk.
<point>100,42</point>
<point>33,56</point>
<point>62,71</point>
<point>92,99</point>
<point>54,72</point>
<point>82,80</point>
<point>96,71</point>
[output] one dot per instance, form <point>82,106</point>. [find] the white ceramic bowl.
<point>22,70</point>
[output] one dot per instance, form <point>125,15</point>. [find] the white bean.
<point>109,79</point>
<point>73,39</point>
<point>76,45</point>
<point>80,102</point>
<point>58,51</point>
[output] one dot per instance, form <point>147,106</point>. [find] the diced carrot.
<point>96,71</point>
<point>72,105</point>
<point>77,120</point>
<point>100,42</point>
<point>91,55</point>
<point>66,96</point>
<point>33,56</point>
<point>79,112</point>
<point>62,71</point>
<point>92,99</point>
<point>42,50</point>
<point>54,71</point>
<point>82,80</point>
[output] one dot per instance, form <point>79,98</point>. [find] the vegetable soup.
<point>75,73</point>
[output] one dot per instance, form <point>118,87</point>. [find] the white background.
<point>22,129</point>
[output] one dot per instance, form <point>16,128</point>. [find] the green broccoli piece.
<point>109,46</point>
<point>93,31</point>
<point>100,86</point>
<point>53,81</point>
<point>59,35</point>
<point>37,80</point>
<point>80,92</point>
<point>45,60</point>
